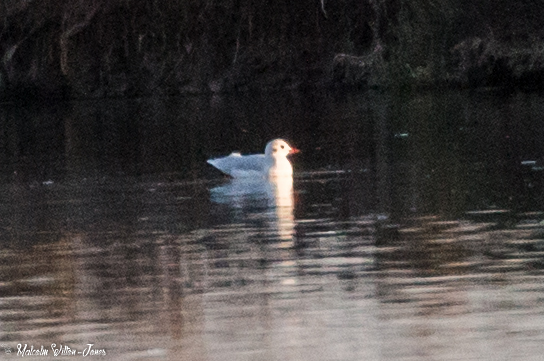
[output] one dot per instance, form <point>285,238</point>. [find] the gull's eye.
<point>282,146</point>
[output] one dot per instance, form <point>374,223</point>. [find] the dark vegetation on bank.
<point>126,48</point>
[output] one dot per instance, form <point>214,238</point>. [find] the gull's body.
<point>273,163</point>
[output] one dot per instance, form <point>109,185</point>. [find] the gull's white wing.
<point>237,165</point>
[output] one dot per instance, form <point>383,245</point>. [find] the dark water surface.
<point>413,229</point>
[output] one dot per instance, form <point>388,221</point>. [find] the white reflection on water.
<point>275,195</point>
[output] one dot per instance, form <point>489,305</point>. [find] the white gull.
<point>273,163</point>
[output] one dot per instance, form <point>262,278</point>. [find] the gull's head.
<point>279,148</point>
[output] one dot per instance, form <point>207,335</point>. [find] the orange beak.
<point>294,151</point>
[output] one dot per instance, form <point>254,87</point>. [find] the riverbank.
<point>93,49</point>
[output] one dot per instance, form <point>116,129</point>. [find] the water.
<point>413,229</point>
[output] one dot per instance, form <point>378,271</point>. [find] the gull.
<point>272,164</point>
